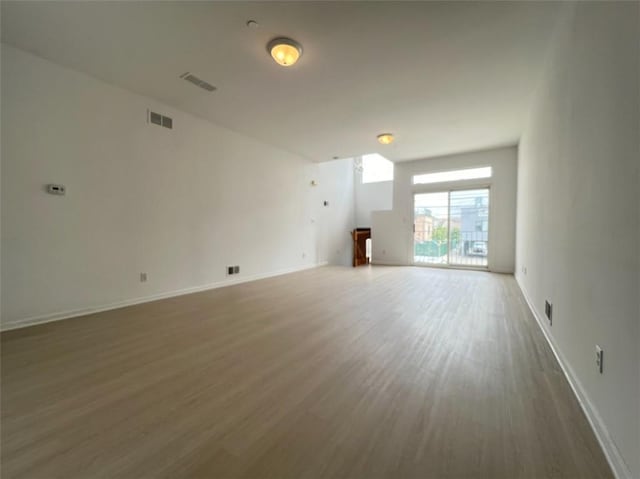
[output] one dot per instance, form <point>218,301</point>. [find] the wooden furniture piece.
<point>360,237</point>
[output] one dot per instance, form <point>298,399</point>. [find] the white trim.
<point>458,267</point>
<point>614,458</point>
<point>500,271</point>
<point>48,318</point>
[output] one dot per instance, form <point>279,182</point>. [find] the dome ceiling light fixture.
<point>284,51</point>
<point>385,138</point>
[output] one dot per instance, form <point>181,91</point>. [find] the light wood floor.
<point>334,372</point>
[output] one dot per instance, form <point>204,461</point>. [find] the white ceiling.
<point>443,77</point>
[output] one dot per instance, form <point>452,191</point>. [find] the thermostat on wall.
<point>56,189</point>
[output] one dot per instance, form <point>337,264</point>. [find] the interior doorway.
<point>452,228</point>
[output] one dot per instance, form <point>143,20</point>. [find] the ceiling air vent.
<point>160,120</point>
<point>197,81</point>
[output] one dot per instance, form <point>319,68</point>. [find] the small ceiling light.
<point>284,51</point>
<point>252,24</point>
<point>385,138</point>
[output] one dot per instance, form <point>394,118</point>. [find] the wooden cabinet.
<point>360,237</point>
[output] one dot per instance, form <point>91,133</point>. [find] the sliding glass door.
<point>452,228</point>
<point>469,217</point>
<point>431,228</point>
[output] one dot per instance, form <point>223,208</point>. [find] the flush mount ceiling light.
<point>385,138</point>
<point>284,51</point>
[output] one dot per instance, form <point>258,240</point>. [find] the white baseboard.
<point>48,318</point>
<point>616,462</point>
<point>501,271</point>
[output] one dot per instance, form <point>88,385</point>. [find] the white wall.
<point>178,204</point>
<point>392,233</point>
<point>388,235</point>
<point>371,197</point>
<point>578,229</point>
<point>336,187</point>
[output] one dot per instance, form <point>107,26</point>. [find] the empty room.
<point>320,239</point>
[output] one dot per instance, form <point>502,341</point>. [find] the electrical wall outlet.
<point>548,312</point>
<point>143,277</point>
<point>599,359</point>
<point>229,270</point>
<point>233,270</point>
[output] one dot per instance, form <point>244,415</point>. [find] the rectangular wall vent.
<point>160,120</point>
<point>155,118</point>
<point>197,81</point>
